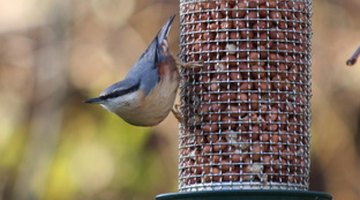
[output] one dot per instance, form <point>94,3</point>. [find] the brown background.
<point>54,54</point>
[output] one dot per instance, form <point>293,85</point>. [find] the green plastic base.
<point>246,195</point>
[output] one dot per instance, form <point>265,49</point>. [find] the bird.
<point>147,94</point>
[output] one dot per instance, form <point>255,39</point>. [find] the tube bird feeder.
<point>246,111</point>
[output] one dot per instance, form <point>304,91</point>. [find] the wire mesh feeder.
<point>246,110</point>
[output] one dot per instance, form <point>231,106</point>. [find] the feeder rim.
<point>242,193</point>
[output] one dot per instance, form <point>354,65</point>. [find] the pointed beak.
<point>94,100</point>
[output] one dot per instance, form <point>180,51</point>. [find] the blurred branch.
<point>48,94</point>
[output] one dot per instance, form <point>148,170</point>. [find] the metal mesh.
<point>246,110</point>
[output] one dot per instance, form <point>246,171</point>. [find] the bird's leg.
<point>176,112</point>
<point>186,65</point>
<point>189,65</point>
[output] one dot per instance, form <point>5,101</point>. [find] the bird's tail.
<point>164,31</point>
<point>159,46</point>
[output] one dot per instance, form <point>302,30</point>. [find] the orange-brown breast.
<point>167,67</point>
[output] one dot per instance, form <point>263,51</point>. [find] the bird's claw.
<point>177,113</point>
<point>189,65</point>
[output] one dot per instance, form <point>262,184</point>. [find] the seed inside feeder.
<point>252,94</point>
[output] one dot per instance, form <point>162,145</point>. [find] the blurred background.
<point>56,53</point>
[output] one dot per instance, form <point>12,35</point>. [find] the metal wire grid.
<point>246,111</point>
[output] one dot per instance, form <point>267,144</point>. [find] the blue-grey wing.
<point>147,66</point>
<point>147,73</point>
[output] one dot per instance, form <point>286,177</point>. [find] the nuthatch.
<point>147,94</point>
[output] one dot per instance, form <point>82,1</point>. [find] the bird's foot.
<point>177,113</point>
<point>189,65</point>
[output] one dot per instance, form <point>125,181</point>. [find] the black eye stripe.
<point>118,93</point>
